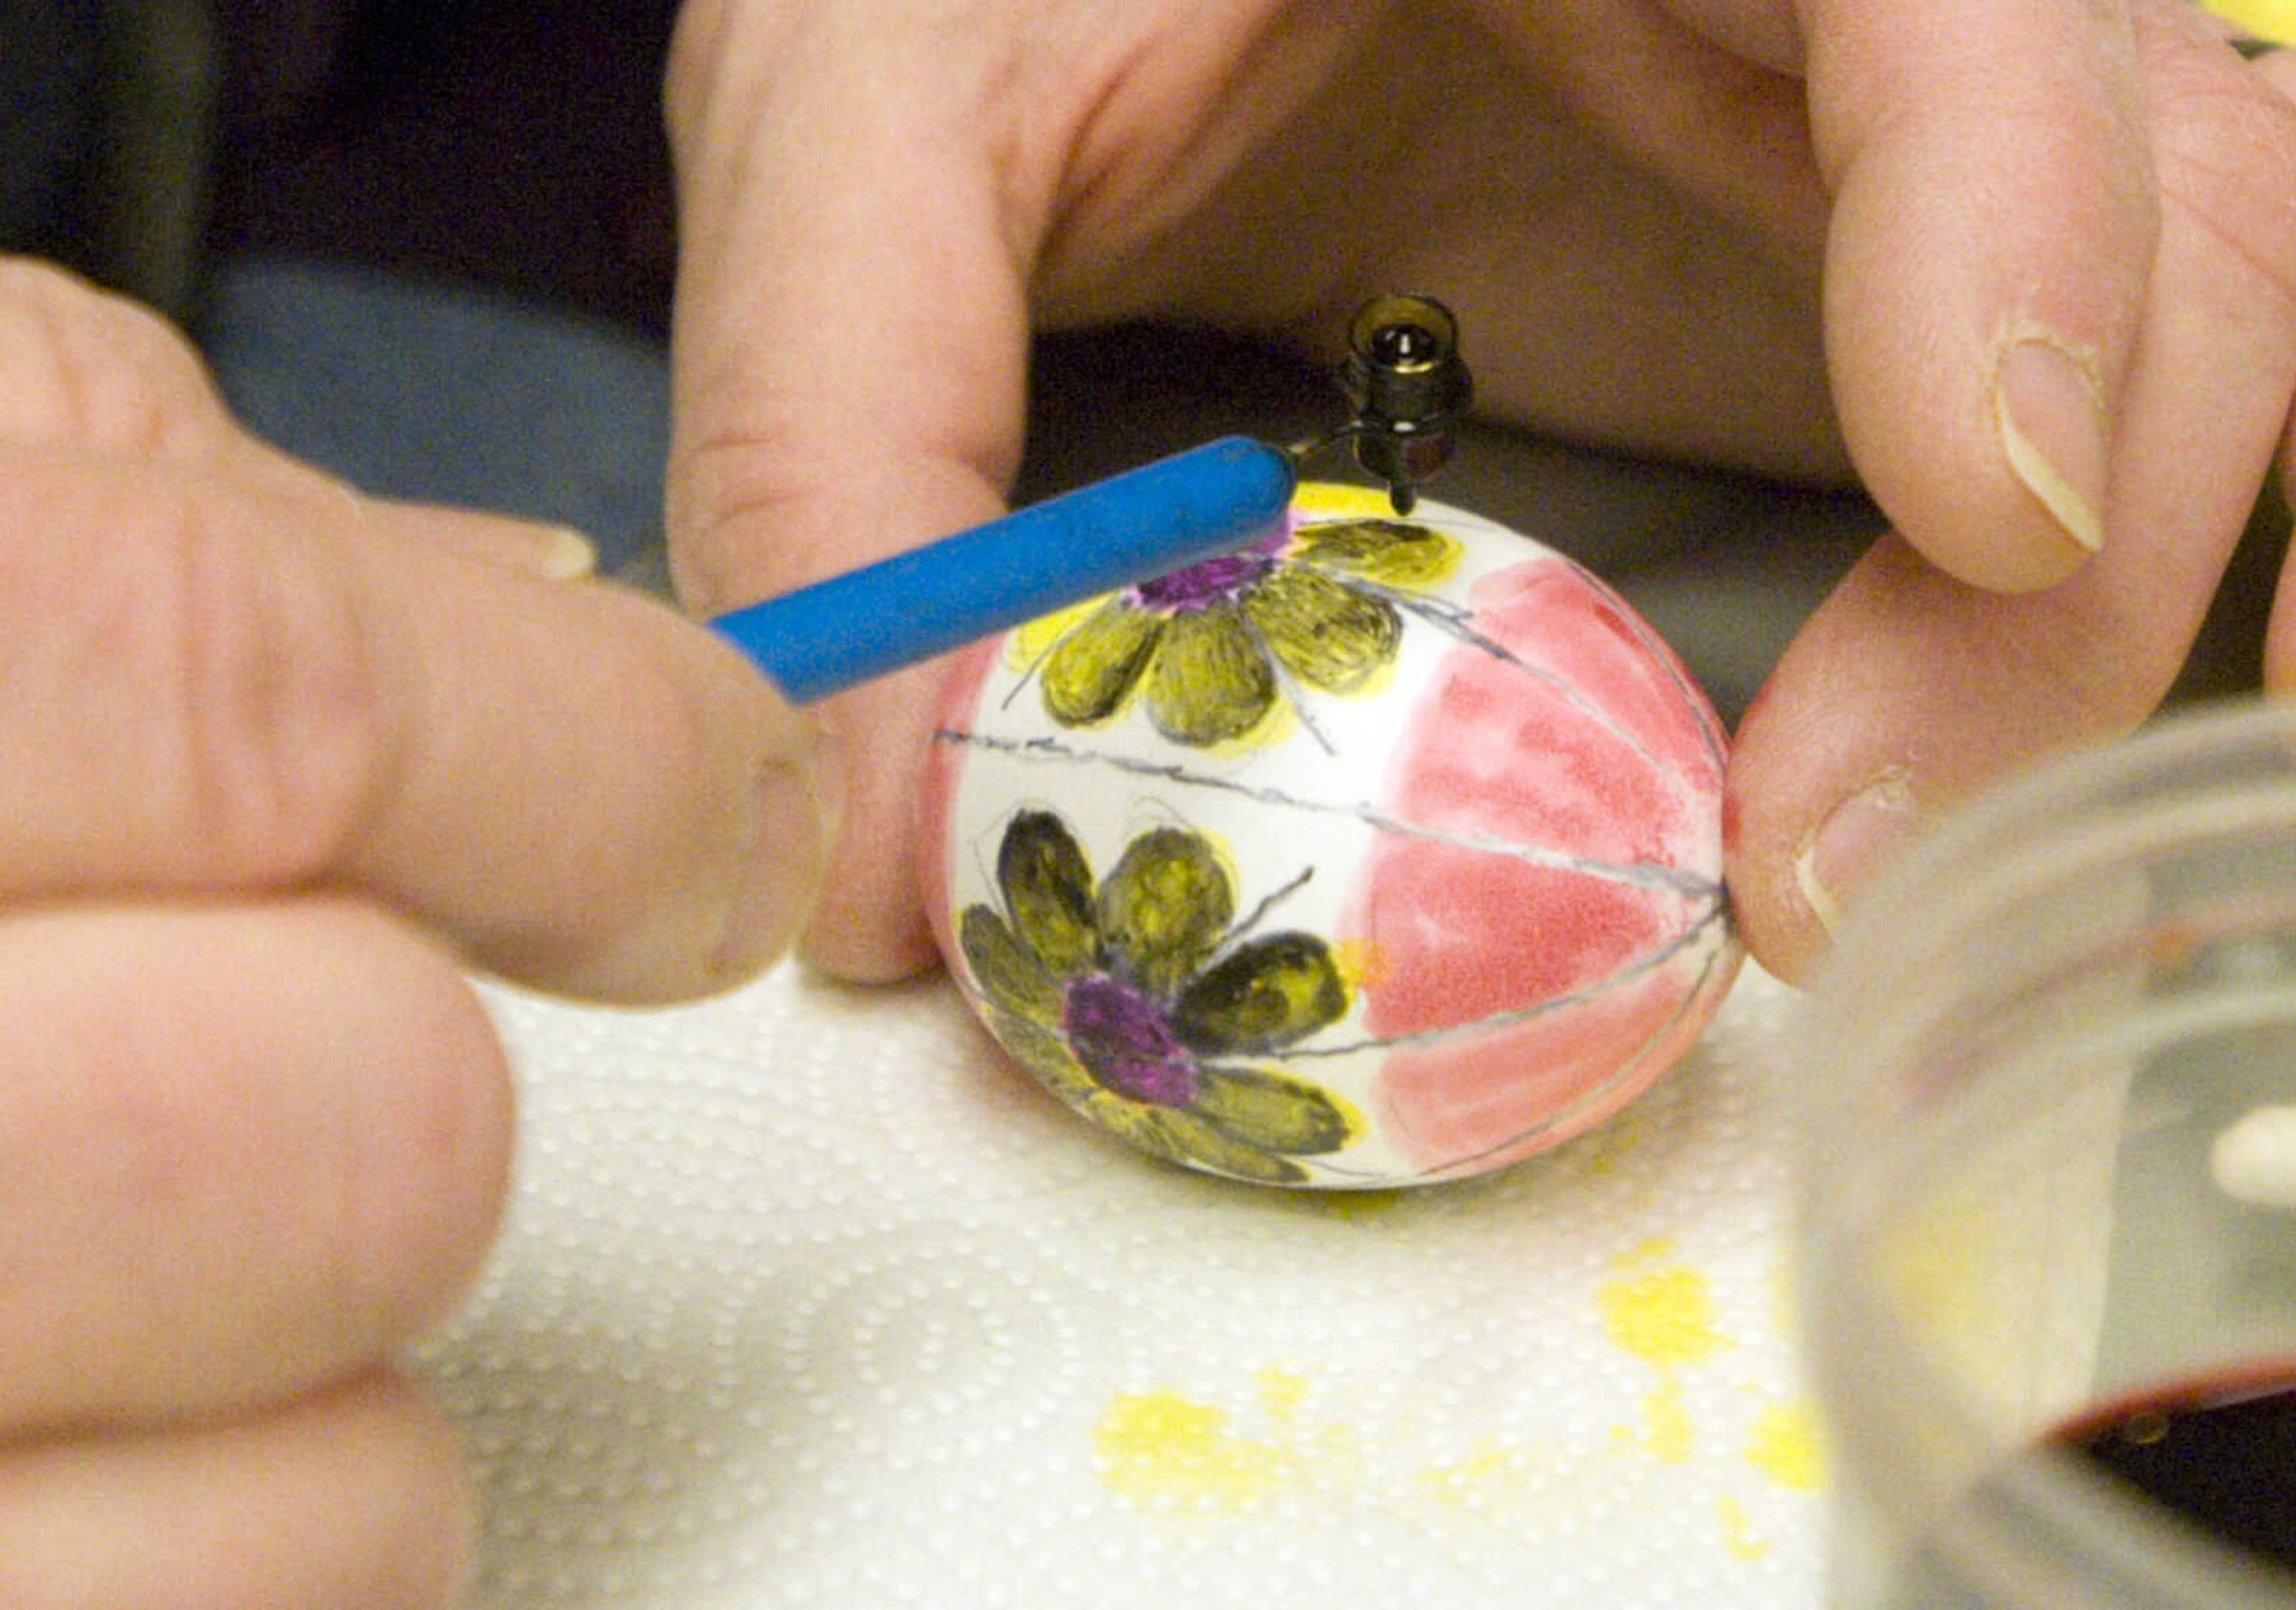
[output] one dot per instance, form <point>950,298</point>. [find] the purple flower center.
<point>1121,1038</point>
<point>1214,580</point>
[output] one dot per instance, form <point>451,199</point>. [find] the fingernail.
<point>795,825</point>
<point>1858,838</point>
<point>2053,428</point>
<point>562,554</point>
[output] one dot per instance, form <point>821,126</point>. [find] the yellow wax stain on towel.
<point>1667,1434</point>
<point>1490,1477</point>
<point>1738,1534</point>
<point>1661,1311</point>
<point>1787,1448</point>
<point>1159,1446</point>
<point>1658,1310</point>
<point>1160,1450</point>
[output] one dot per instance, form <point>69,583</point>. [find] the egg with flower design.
<point>1384,851</point>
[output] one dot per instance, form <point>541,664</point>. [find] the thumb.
<point>849,370</point>
<point>1994,223</point>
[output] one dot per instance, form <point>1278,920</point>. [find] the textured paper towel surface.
<point>808,1299</point>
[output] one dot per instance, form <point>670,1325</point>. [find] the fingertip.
<point>870,927</point>
<point>359,1493</point>
<point>541,548</point>
<point>548,552</point>
<point>795,800</point>
<point>1999,472</point>
<point>1979,330</point>
<point>1782,915</point>
<point>426,1508</point>
<point>884,940</point>
<point>2049,409</point>
<point>1824,784</point>
<point>1786,944</point>
<point>2279,667</point>
<point>1790,893</point>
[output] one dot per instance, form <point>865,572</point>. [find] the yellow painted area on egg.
<point>1332,500</point>
<point>1738,1534</point>
<point>1360,961</point>
<point>2273,20</point>
<point>1033,639</point>
<point>1660,1311</point>
<point>1788,1447</point>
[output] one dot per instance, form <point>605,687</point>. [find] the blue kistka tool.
<point>1132,528</point>
<point>1409,384</point>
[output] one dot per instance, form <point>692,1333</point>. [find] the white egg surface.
<point>1387,851</point>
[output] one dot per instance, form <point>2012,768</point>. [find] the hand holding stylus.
<point>283,762</point>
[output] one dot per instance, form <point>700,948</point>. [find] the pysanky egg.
<point>1385,852</point>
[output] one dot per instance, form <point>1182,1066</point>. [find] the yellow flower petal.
<point>1091,672</point>
<point>1395,553</point>
<point>1274,1112</point>
<point>1328,636</point>
<point>1268,993</point>
<point>1048,887</point>
<point>1211,680</point>
<point>1163,908</point>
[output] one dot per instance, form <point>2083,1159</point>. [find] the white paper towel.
<point>807,1297</point>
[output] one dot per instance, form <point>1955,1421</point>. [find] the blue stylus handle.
<point>1132,528</point>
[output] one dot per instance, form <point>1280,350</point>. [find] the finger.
<point>2277,69</point>
<point>1993,228</point>
<point>869,925</point>
<point>2279,670</point>
<point>555,553</point>
<point>243,1150</point>
<point>83,369</point>
<point>551,552</point>
<point>585,791</point>
<point>1904,693</point>
<point>851,324</point>
<point>356,1498</point>
<point>851,344</point>
<point>1908,691</point>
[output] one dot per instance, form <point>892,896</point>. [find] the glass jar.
<point>2017,1080</point>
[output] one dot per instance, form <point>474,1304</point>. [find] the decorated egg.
<point>1387,851</point>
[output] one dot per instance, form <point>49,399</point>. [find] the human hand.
<point>283,760</point>
<point>2026,267</point>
